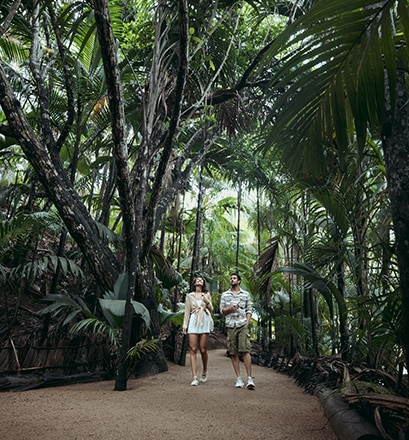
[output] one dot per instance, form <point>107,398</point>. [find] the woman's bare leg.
<point>193,344</point>
<point>203,350</point>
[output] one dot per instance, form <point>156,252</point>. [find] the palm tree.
<point>339,72</point>
<point>151,155</point>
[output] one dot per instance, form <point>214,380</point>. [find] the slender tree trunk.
<point>258,222</point>
<point>342,325</point>
<point>238,225</point>
<point>112,74</point>
<point>196,252</point>
<point>167,143</point>
<point>292,348</point>
<point>198,227</point>
<point>359,230</point>
<point>310,312</point>
<point>396,152</point>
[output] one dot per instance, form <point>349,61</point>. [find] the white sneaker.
<point>204,377</point>
<point>195,382</point>
<point>250,383</point>
<point>239,383</point>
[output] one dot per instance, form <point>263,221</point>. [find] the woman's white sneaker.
<point>239,383</point>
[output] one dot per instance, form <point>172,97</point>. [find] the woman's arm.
<point>186,317</point>
<point>208,301</point>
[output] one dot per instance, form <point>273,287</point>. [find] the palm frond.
<point>334,61</point>
<point>33,269</point>
<point>327,289</point>
<point>60,303</point>
<point>97,327</point>
<point>142,347</point>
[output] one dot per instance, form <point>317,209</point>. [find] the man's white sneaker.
<point>204,377</point>
<point>250,383</point>
<point>239,383</point>
<point>195,382</point>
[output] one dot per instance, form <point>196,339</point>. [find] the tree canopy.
<point>143,142</point>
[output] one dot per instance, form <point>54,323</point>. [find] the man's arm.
<point>224,310</point>
<point>249,309</point>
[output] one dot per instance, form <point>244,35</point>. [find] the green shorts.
<point>238,339</point>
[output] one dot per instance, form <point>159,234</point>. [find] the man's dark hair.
<point>237,275</point>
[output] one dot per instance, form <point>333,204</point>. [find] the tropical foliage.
<point>143,142</point>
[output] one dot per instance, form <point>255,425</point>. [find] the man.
<point>235,305</point>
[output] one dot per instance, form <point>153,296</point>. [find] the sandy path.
<point>165,406</point>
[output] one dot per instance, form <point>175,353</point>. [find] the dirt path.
<point>165,406</point>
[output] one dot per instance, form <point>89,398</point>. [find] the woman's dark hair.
<point>204,287</point>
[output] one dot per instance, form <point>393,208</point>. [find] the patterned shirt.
<point>238,317</point>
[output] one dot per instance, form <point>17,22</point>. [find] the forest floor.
<point>165,406</point>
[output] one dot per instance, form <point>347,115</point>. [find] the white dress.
<point>200,320</point>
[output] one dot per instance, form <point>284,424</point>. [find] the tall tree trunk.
<point>340,277</point>
<point>167,142</point>
<point>61,191</point>
<point>238,225</point>
<point>395,139</point>
<point>147,218</point>
<point>116,107</point>
<point>310,312</point>
<point>359,231</point>
<point>198,227</point>
<point>258,221</point>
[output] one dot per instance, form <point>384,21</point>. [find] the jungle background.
<point>144,142</point>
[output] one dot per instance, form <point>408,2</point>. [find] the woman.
<point>198,323</point>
